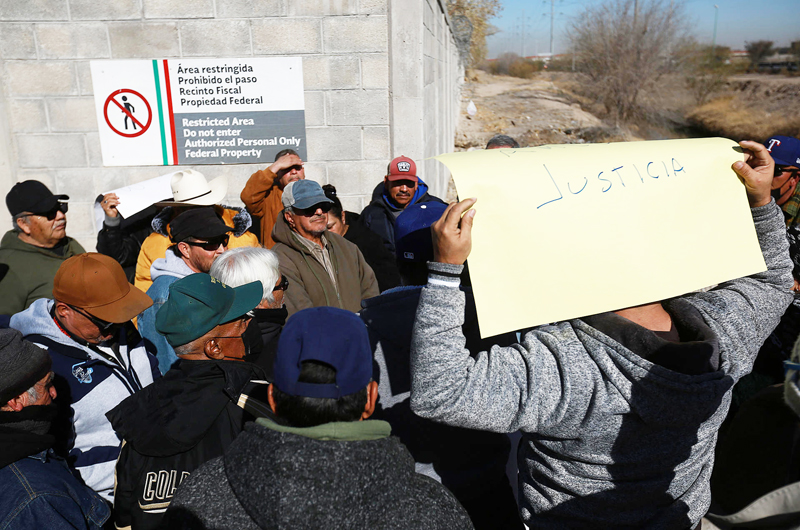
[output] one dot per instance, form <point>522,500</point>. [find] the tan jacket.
<point>309,282</point>
<point>263,200</point>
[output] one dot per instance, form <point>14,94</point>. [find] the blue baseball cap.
<point>330,335</point>
<point>302,194</point>
<point>785,150</point>
<point>412,231</point>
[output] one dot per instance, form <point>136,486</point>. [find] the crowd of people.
<point>291,364</point>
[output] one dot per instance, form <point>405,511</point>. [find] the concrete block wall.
<point>48,128</point>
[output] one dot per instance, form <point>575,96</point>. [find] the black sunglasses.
<point>102,325</point>
<point>53,212</point>
<point>212,244</point>
<point>283,285</point>
<point>779,170</point>
<point>308,212</point>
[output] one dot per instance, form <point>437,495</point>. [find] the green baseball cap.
<point>198,303</point>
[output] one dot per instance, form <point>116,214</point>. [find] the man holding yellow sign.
<point>620,410</point>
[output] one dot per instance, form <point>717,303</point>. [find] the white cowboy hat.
<point>191,188</point>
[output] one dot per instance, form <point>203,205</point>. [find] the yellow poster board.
<point>565,231</point>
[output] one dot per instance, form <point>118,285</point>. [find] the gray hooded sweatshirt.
<point>619,425</point>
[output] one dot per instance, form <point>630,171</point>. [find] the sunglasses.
<point>780,170</point>
<point>308,212</point>
<point>53,212</point>
<point>283,285</point>
<point>212,244</point>
<point>102,325</point>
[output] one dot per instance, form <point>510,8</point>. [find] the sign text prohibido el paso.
<point>565,231</point>
<point>199,111</point>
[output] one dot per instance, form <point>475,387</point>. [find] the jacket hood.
<point>674,384</point>
<point>36,320</point>
<point>175,412</point>
<point>235,217</point>
<point>286,480</point>
<point>169,265</point>
<point>11,241</point>
<point>379,194</point>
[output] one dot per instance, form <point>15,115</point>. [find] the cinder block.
<point>17,42</point>
<point>134,175</point>
<point>376,143</point>
<point>27,115</point>
<point>358,107</point>
<point>144,39</point>
<point>323,7</point>
<point>315,108</point>
<point>40,79</point>
<point>355,34</point>
<point>72,41</point>
<point>77,183</point>
<point>34,10</point>
<point>48,178</point>
<point>334,143</point>
<point>178,8</point>
<point>80,222</point>
<point>251,8</point>
<point>358,177</point>
<point>72,114</point>
<point>106,179</point>
<point>84,73</point>
<point>375,71</point>
<point>286,35</point>
<point>105,10</point>
<point>373,7</point>
<point>317,172</point>
<point>407,131</point>
<point>51,150</point>
<point>93,149</point>
<point>326,72</point>
<point>218,38</point>
<point>353,204</point>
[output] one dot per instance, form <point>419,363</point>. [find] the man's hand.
<point>109,204</point>
<point>756,172</point>
<point>286,161</point>
<point>452,233</point>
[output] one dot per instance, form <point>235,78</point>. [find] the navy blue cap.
<point>330,335</point>
<point>785,150</point>
<point>412,231</point>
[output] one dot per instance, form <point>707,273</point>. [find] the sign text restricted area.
<point>199,111</point>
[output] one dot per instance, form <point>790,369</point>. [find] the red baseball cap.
<point>402,168</point>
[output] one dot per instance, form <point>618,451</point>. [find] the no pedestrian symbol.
<point>127,113</point>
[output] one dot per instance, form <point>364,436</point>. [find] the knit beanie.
<point>22,364</point>
<point>791,392</point>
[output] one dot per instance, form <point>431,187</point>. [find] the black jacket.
<point>379,215</point>
<point>377,256</point>
<point>124,241</point>
<point>169,429</point>
<point>262,336</point>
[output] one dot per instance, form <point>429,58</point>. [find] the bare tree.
<point>757,51</point>
<point>623,47</point>
<point>478,13</point>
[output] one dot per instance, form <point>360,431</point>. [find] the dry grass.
<point>732,117</point>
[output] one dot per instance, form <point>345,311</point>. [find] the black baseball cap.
<point>199,223</point>
<point>32,196</point>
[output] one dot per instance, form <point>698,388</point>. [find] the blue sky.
<point>739,21</point>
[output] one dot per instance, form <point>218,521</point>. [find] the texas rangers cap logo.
<point>772,143</point>
<point>403,166</point>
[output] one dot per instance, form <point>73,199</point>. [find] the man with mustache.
<point>400,188</point>
<point>36,246</point>
<point>323,268</point>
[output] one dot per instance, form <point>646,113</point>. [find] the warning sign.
<point>202,111</point>
<point>123,100</point>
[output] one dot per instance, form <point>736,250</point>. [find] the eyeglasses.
<point>212,244</point>
<point>779,170</point>
<point>52,213</point>
<point>102,325</point>
<point>283,285</point>
<point>308,212</point>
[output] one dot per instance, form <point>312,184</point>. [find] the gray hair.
<point>501,140</point>
<point>242,265</point>
<point>14,225</point>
